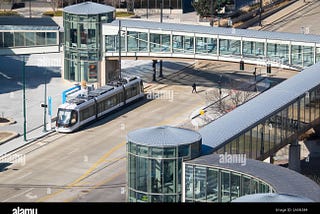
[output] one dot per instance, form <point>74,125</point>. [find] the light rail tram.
<point>84,108</point>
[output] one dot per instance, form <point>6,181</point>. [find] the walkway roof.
<point>251,113</point>
<point>22,23</point>
<point>217,30</point>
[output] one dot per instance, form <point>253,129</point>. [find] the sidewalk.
<point>279,15</point>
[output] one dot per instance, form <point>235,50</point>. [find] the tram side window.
<point>73,118</point>
<point>86,113</point>
<point>132,91</point>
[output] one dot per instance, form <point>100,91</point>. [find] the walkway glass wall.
<point>212,184</point>
<point>265,138</point>
<point>208,46</point>
<point>20,39</point>
<point>154,173</point>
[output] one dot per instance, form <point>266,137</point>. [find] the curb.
<point>12,136</point>
<point>11,121</point>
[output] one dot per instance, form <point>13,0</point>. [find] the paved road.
<point>90,165</point>
<point>67,167</point>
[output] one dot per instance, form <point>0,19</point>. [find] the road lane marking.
<point>102,160</point>
<point>89,171</point>
<point>71,199</point>
<point>22,193</point>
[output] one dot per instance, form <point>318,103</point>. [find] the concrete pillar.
<point>111,70</point>
<point>294,157</point>
<point>102,73</point>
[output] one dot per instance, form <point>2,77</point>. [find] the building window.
<point>40,38</point>
<point>51,38</point>
<point>8,39</point>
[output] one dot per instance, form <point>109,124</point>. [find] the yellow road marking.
<point>90,170</point>
<point>100,161</point>
<point>96,186</point>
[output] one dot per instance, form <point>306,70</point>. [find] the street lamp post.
<point>161,19</point>
<point>260,11</point>
<point>120,49</point>
<point>24,99</point>
<point>45,103</point>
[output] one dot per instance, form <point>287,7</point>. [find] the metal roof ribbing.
<point>88,8</point>
<point>222,130</point>
<point>283,180</point>
<point>217,30</point>
<point>163,136</point>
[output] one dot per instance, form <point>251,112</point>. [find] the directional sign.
<point>49,106</point>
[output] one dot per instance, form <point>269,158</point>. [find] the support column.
<point>102,73</point>
<point>294,157</point>
<point>111,70</point>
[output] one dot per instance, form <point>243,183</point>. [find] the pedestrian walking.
<point>194,88</point>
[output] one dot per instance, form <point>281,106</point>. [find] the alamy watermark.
<point>160,94</point>
<point>233,158</point>
<point>14,159</point>
<point>20,210</point>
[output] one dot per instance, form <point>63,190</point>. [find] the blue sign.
<point>50,106</point>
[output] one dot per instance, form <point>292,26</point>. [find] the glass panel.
<point>1,39</point>
<point>19,39</point>
<point>188,44</point>
<point>177,43</point>
<point>235,186</point>
<point>92,35</point>
<point>296,55</point>
<point>142,174</point>
<point>248,144</point>
<point>165,43</point>
<point>253,49</point>
<point>317,54</point>
<point>156,152</point>
<point>169,176</point>
<point>132,41</point>
<point>30,38</point>
<point>189,181</point>
<point>132,172</point>
<point>51,38</point>
<point>212,185</point>
<point>40,38</point>
<point>110,43</point>
<point>229,47</point>
<point>278,52</point>
<point>225,186</point>
<point>169,152</point>
<point>206,45</point>
<point>155,42</point>
<point>307,56</point>
<point>143,42</point>
<point>255,142</point>
<point>245,185</point>
<point>156,171</point>
<point>184,151</point>
<point>200,183</point>
<point>254,186</point>
<point>8,39</point>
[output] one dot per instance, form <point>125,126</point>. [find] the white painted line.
<point>22,193</point>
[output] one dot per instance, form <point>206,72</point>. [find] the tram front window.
<point>66,117</point>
